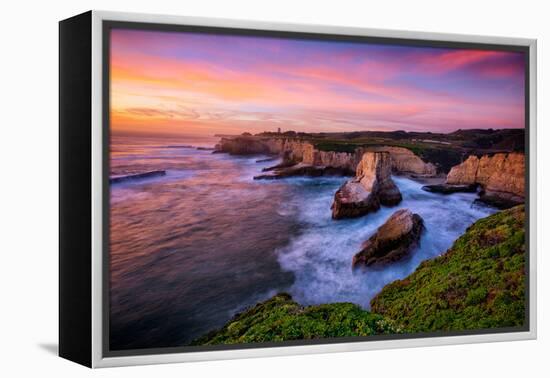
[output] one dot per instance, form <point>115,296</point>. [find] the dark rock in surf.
<point>499,200</point>
<point>136,176</point>
<point>302,170</point>
<point>392,241</point>
<point>284,164</point>
<point>266,159</point>
<point>449,189</point>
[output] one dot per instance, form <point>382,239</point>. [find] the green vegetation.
<point>442,157</point>
<point>280,319</point>
<point>479,283</point>
<point>336,145</point>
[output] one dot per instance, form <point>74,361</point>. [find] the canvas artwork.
<point>287,189</point>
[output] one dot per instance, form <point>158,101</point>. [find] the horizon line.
<point>148,133</point>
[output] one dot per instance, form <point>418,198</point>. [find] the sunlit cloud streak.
<point>192,83</point>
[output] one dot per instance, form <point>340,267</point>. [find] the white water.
<point>321,256</point>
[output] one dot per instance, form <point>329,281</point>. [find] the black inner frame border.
<point>108,25</point>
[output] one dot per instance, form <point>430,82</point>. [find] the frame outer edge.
<point>74,276</point>
<point>533,213</point>
<point>97,201</point>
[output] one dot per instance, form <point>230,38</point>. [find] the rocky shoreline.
<point>294,151</point>
<point>499,178</point>
<point>479,283</point>
<point>497,239</point>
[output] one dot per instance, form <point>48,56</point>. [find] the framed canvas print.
<point>236,189</point>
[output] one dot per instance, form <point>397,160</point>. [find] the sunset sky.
<point>200,84</point>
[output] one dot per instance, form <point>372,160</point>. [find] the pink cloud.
<point>352,89</point>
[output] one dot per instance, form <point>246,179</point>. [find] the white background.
<point>29,174</point>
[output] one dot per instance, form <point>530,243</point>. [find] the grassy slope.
<point>280,318</point>
<point>478,283</point>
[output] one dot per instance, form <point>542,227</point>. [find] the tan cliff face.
<point>402,159</point>
<point>405,161</point>
<point>304,152</point>
<point>501,173</point>
<point>332,159</point>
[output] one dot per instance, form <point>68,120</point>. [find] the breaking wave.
<point>320,257</point>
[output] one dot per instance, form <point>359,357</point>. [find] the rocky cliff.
<point>302,151</point>
<point>371,187</point>
<point>248,145</point>
<point>405,161</point>
<point>501,175</point>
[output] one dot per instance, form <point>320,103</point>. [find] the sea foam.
<point>320,257</point>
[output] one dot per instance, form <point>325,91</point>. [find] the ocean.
<point>190,249</point>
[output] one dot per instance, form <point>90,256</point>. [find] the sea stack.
<point>392,241</point>
<point>371,187</point>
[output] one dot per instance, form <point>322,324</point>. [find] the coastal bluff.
<point>295,150</point>
<point>501,176</point>
<point>371,187</point>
